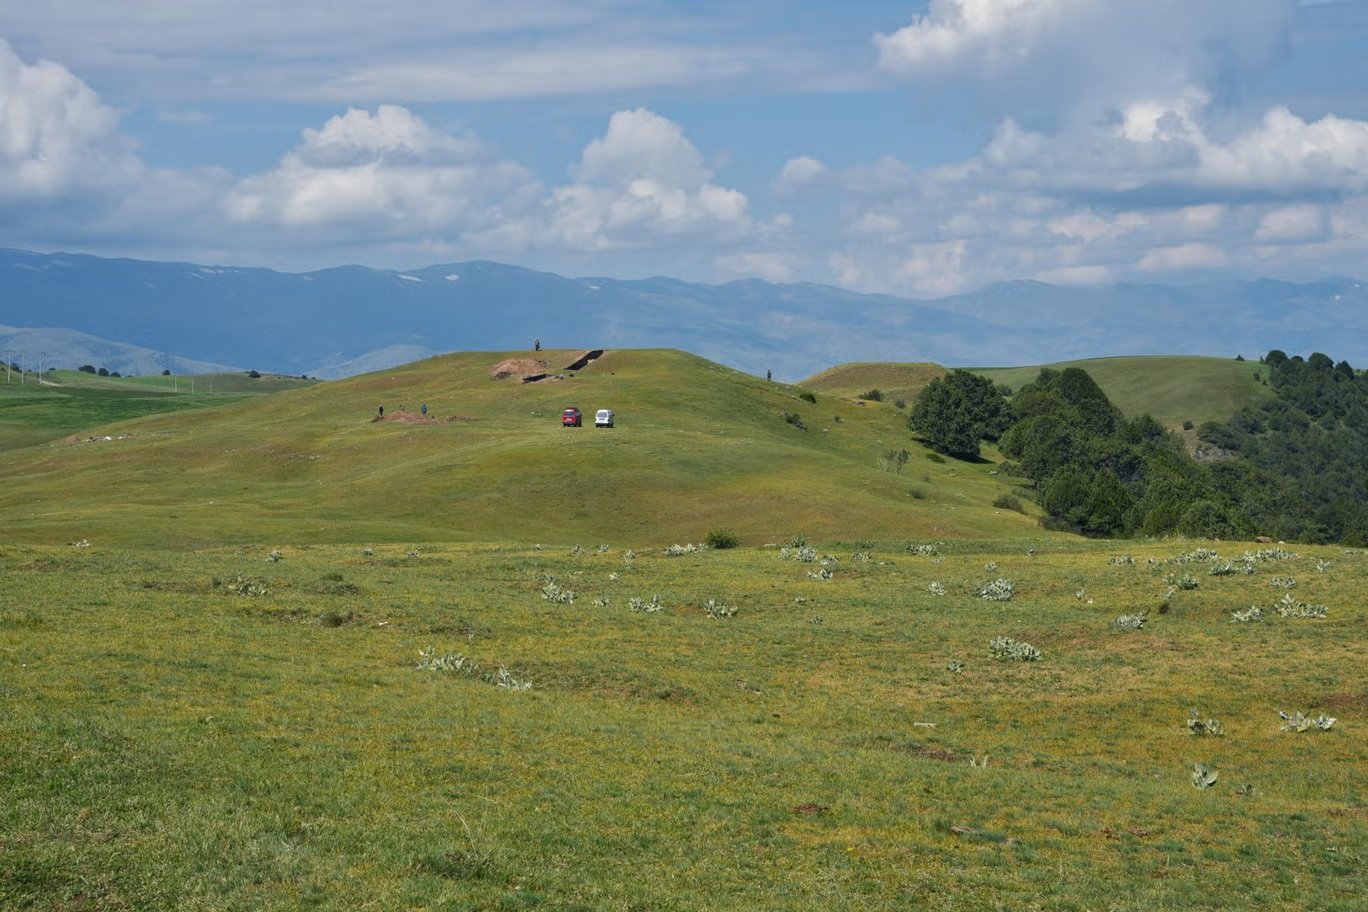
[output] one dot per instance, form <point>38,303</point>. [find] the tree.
<point>953,413</point>
<point>166,372</point>
<point>87,368</point>
<point>104,372</point>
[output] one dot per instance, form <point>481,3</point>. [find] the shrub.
<point>1199,726</point>
<point>103,372</point>
<point>1188,425</point>
<point>808,397</point>
<point>1296,722</point>
<point>1007,648</point>
<point>795,419</point>
<point>873,395</point>
<point>1203,776</point>
<point>900,403</point>
<point>999,590</point>
<point>1131,621</point>
<point>1009,502</point>
<point>719,610</point>
<point>87,368</point>
<point>935,457</point>
<point>721,539</point>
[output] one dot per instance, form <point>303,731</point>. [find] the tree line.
<point>1295,467</point>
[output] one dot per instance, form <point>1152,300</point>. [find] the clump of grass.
<point>1199,726</point>
<point>274,556</point>
<point>1187,582</point>
<point>1298,722</point>
<point>821,573</point>
<point>893,460</point>
<point>456,663</point>
<point>998,590</point>
<point>1283,582</point>
<point>1131,621</point>
<point>1289,607</point>
<point>719,610</point>
<point>557,595</point>
<point>247,586</point>
<point>936,588</point>
<point>681,550</point>
<point>651,607</point>
<point>1003,647</point>
<point>1009,502</point>
<point>1252,614</point>
<point>802,554</point>
<point>795,419</point>
<point>721,539</point>
<point>1122,560</point>
<point>1203,776</point>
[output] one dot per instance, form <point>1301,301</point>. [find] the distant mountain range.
<point>128,314</point>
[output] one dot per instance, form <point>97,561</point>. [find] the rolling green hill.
<point>895,381</point>
<point>1172,388</point>
<point>698,446</point>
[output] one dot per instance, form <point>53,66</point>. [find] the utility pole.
<point>40,367</point>
<point>9,356</point>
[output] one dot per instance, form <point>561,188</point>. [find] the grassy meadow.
<point>277,654</point>
<point>250,728</point>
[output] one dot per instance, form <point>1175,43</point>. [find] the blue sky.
<point>906,147</point>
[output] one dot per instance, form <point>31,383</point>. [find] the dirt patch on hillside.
<point>583,360</point>
<point>522,368</point>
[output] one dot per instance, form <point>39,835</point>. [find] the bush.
<point>87,368</point>
<point>1009,502</point>
<point>103,372</point>
<point>166,372</point>
<point>935,457</point>
<point>873,395</point>
<point>721,539</point>
<point>810,397</point>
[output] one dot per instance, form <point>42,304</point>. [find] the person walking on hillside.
<point>769,375</point>
<point>424,409</point>
<point>382,411</point>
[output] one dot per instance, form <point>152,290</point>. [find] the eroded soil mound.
<point>521,368</point>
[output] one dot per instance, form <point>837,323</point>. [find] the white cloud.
<point>56,137</point>
<point>641,182</point>
<point>800,172</point>
<point>1094,55</point>
<point>389,172</point>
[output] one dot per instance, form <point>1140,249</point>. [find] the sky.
<point>912,148</point>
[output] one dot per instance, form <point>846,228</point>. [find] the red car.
<point>571,417</point>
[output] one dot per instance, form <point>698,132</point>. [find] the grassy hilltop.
<point>698,446</point>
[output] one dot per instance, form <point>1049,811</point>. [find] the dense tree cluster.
<point>1295,467</point>
<point>1312,442</point>
<point>955,412</point>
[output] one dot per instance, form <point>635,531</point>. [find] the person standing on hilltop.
<point>536,345</point>
<point>424,409</point>
<point>382,411</point>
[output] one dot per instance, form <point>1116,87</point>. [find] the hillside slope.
<point>1172,388</point>
<point>698,446</point>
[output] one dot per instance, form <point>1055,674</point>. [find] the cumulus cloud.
<point>388,171</point>
<point>800,172</point>
<point>1093,54</point>
<point>56,137</point>
<point>642,181</point>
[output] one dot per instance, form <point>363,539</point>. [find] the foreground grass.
<point>169,743</point>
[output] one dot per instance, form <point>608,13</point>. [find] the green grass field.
<point>276,654</point>
<point>69,402</point>
<point>171,743</point>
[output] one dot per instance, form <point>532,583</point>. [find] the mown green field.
<point>214,729</point>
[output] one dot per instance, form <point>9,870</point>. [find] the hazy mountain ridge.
<point>337,321</point>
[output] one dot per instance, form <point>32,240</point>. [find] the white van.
<point>603,418</point>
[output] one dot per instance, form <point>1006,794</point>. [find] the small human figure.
<point>424,409</point>
<point>769,375</point>
<point>536,345</point>
<point>382,411</point>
